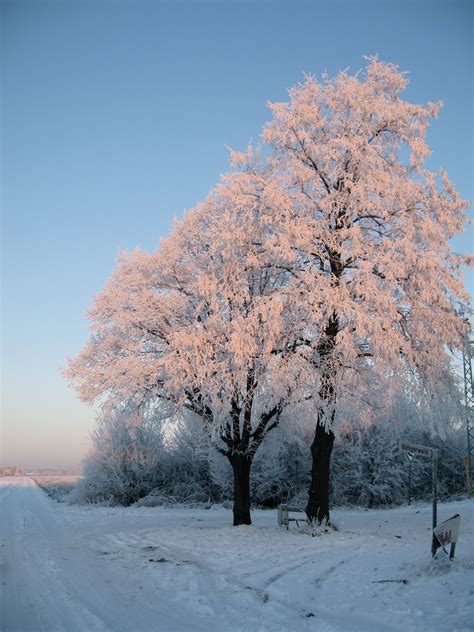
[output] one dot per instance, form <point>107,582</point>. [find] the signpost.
<point>446,532</point>
<point>434,463</point>
<point>410,457</point>
<point>412,450</point>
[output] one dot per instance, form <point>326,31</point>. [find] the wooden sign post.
<point>412,450</point>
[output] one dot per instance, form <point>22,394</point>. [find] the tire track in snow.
<point>50,581</point>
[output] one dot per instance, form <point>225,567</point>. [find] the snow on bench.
<point>284,515</point>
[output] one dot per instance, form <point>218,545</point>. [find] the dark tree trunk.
<point>317,508</point>
<point>241,468</point>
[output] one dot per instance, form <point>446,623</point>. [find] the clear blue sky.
<point>115,117</point>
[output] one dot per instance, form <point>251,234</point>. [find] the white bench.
<point>284,512</point>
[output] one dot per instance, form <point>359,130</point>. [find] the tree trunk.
<point>241,468</point>
<point>317,508</point>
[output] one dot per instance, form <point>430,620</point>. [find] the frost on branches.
<point>326,252</point>
<point>372,226</point>
<point>205,322</point>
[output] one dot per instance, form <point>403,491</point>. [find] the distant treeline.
<point>11,470</point>
<point>16,470</point>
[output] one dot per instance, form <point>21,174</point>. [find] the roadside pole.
<point>412,450</point>
<point>434,464</point>
<point>409,456</point>
<point>409,483</point>
<point>468,477</point>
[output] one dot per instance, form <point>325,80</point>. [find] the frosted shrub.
<point>367,468</point>
<point>282,468</point>
<point>188,477</point>
<point>127,460</point>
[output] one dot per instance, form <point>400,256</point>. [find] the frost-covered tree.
<point>206,323</point>
<point>369,226</point>
<point>327,252</point>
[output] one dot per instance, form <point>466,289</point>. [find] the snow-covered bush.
<point>367,466</point>
<point>282,468</point>
<point>188,477</point>
<point>127,460</point>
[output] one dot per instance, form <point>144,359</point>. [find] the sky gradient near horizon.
<point>116,117</point>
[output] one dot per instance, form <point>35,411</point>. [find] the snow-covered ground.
<point>154,569</point>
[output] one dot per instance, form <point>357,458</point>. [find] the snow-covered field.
<point>56,486</point>
<point>154,569</point>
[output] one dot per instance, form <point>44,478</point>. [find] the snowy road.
<point>158,569</point>
<point>53,580</point>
